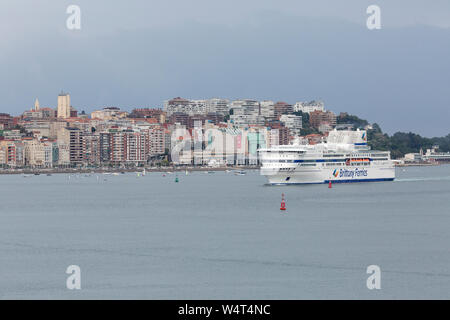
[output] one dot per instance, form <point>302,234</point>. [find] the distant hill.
<point>399,143</point>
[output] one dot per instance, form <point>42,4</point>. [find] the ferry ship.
<point>344,157</point>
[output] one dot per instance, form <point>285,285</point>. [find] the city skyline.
<point>161,106</point>
<point>218,131</point>
<point>396,76</point>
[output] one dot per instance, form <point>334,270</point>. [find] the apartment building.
<point>71,146</point>
<point>38,153</point>
<point>316,118</point>
<point>156,139</point>
<point>292,122</point>
<point>308,107</point>
<point>12,153</point>
<point>281,108</point>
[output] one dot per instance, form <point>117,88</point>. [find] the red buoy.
<point>329,184</point>
<point>283,204</point>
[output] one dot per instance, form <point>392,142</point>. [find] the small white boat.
<point>240,173</point>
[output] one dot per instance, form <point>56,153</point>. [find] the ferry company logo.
<point>352,173</point>
<point>336,173</point>
<point>364,136</point>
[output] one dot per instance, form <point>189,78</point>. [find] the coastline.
<point>419,164</point>
<point>39,171</point>
<point>120,170</point>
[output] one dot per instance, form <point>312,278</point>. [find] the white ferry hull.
<point>336,175</point>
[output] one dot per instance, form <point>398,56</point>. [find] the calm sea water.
<point>223,236</point>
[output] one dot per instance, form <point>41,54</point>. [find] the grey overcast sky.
<point>138,53</point>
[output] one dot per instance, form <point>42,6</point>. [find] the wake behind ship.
<point>345,157</point>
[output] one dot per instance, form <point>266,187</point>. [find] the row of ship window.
<point>337,164</point>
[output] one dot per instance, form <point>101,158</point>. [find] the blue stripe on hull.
<point>337,181</point>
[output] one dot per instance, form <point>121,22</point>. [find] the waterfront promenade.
<point>120,170</point>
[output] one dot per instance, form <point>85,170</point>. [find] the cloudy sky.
<point>138,53</point>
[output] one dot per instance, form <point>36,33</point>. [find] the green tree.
<point>351,119</point>
<point>306,126</point>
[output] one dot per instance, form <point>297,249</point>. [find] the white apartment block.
<point>245,107</point>
<point>221,106</point>
<point>292,122</point>
<point>308,107</point>
<point>267,109</point>
<point>190,107</point>
<point>196,107</point>
<point>244,120</point>
<point>38,153</point>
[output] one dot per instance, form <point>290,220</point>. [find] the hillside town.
<point>213,132</point>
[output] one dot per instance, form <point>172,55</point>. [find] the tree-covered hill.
<point>399,143</point>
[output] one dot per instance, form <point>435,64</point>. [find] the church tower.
<point>36,105</point>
